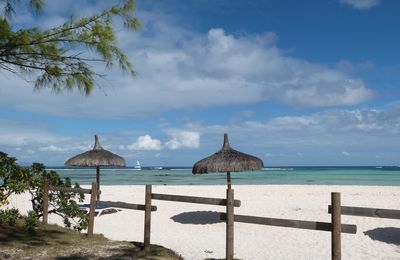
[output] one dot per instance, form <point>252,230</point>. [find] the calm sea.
<point>387,176</point>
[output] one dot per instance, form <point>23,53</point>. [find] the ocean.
<point>379,176</point>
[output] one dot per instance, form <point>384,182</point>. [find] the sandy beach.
<point>195,232</point>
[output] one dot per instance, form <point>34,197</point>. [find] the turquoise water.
<point>386,176</point>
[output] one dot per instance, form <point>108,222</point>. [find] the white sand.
<point>197,236</point>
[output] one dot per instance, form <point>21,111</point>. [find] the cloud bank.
<point>178,69</point>
<point>326,135</point>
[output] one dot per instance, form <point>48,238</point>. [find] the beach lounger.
<point>100,210</point>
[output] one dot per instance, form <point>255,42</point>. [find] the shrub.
<point>15,179</point>
<point>9,216</point>
<point>31,221</point>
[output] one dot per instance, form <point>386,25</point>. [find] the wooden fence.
<point>369,212</point>
<point>335,226</point>
<point>93,193</point>
<point>229,203</point>
<point>291,223</point>
<point>192,199</point>
<point>93,203</point>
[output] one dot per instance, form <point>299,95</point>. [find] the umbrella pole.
<point>98,180</point>
<point>228,178</point>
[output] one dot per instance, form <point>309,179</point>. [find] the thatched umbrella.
<point>228,160</point>
<point>96,157</point>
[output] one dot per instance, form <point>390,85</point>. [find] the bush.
<point>31,221</point>
<point>15,179</point>
<point>9,216</point>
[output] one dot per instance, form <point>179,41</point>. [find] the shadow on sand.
<point>390,235</point>
<point>197,217</point>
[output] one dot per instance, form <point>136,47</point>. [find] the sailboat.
<point>137,167</point>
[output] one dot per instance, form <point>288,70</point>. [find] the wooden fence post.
<point>229,224</point>
<point>93,195</point>
<point>336,225</point>
<point>45,200</point>
<point>147,219</point>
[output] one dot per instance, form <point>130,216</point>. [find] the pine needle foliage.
<point>62,57</point>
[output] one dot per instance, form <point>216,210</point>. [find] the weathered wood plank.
<point>229,224</point>
<point>147,219</point>
<point>322,226</point>
<point>336,253</point>
<point>369,212</point>
<point>192,199</point>
<point>75,190</point>
<point>123,205</point>
<point>92,210</point>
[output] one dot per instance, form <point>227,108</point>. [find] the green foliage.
<point>11,183</point>
<point>9,216</point>
<point>53,56</point>
<point>31,221</point>
<point>16,179</point>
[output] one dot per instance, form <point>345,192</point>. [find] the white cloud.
<point>51,148</point>
<point>361,4</point>
<point>65,148</point>
<point>34,141</point>
<point>183,139</point>
<point>277,155</point>
<point>145,143</point>
<point>359,129</point>
<point>179,69</point>
<point>344,153</point>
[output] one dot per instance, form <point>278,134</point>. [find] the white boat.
<point>137,167</point>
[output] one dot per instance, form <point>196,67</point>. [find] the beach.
<point>195,231</point>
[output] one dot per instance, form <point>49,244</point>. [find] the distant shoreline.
<point>365,175</point>
<point>190,167</point>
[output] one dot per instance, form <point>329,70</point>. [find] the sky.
<point>295,83</point>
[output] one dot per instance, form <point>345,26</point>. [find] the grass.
<point>55,242</point>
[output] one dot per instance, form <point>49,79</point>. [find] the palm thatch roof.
<point>96,157</point>
<point>228,160</point>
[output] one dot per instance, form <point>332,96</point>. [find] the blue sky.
<point>292,82</point>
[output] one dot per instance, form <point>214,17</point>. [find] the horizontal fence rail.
<point>123,205</point>
<point>322,226</point>
<point>75,190</point>
<point>368,212</point>
<point>192,199</point>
